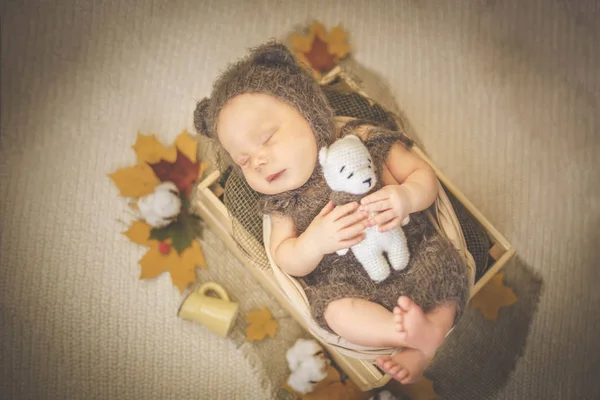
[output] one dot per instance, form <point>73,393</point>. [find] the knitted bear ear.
<point>323,156</point>
<point>273,55</point>
<point>353,137</point>
<point>200,117</point>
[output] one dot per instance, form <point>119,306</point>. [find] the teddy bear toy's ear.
<point>353,137</point>
<point>323,156</point>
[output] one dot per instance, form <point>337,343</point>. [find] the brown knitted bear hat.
<point>270,69</point>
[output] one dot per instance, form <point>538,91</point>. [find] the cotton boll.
<point>307,374</point>
<point>302,350</point>
<point>160,208</point>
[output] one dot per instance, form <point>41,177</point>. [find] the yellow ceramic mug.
<point>216,314</point>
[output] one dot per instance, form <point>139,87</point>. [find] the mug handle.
<point>215,287</point>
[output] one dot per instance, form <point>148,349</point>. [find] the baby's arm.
<point>410,186</point>
<point>288,250</point>
<point>416,177</point>
<point>333,229</point>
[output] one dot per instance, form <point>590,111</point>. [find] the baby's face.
<point>272,143</point>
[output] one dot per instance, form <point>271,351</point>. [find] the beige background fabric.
<point>503,94</point>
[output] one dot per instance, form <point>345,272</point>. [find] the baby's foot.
<point>415,329</point>
<point>406,367</point>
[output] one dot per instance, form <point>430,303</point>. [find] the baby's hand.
<point>392,205</point>
<point>337,228</point>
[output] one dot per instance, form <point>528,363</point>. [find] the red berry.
<point>163,248</point>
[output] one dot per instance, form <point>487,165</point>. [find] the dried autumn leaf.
<point>135,181</point>
<point>493,296</point>
<point>319,56</point>
<point>154,263</point>
<point>301,43</point>
<point>149,150</point>
<point>182,231</point>
<point>420,390</point>
<point>183,172</point>
<point>193,256</point>
<point>139,232</point>
<point>336,41</point>
<point>333,391</point>
<point>332,388</point>
<point>182,274</point>
<point>318,49</point>
<point>261,324</point>
<point>187,145</point>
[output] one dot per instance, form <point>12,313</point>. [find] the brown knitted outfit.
<point>435,274</point>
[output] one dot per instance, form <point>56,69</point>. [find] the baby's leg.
<point>363,322</point>
<point>424,332</point>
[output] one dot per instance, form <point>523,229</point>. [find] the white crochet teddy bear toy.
<point>348,167</point>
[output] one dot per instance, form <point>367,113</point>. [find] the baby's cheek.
<point>258,184</point>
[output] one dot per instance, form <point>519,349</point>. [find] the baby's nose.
<point>259,161</point>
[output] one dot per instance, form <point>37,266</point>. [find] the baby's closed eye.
<point>242,162</point>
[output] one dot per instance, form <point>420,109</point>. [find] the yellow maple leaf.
<point>187,145</point>
<point>154,262</point>
<point>135,181</point>
<point>493,296</point>
<point>150,150</point>
<point>193,257</point>
<point>302,45</point>
<point>336,42</point>
<point>261,324</point>
<point>139,232</point>
<point>420,390</point>
<point>181,275</point>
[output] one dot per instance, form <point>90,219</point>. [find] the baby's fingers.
<point>381,205</point>
<point>390,225</point>
<point>352,219</point>
<point>381,194</point>
<point>382,218</point>
<point>344,244</point>
<point>351,231</point>
<point>340,211</point>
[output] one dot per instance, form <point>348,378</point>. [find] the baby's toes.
<point>398,318</point>
<point>404,303</point>
<point>401,375</point>
<point>399,323</point>
<point>391,367</point>
<point>381,360</point>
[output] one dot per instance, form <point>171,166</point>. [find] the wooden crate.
<point>366,375</point>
